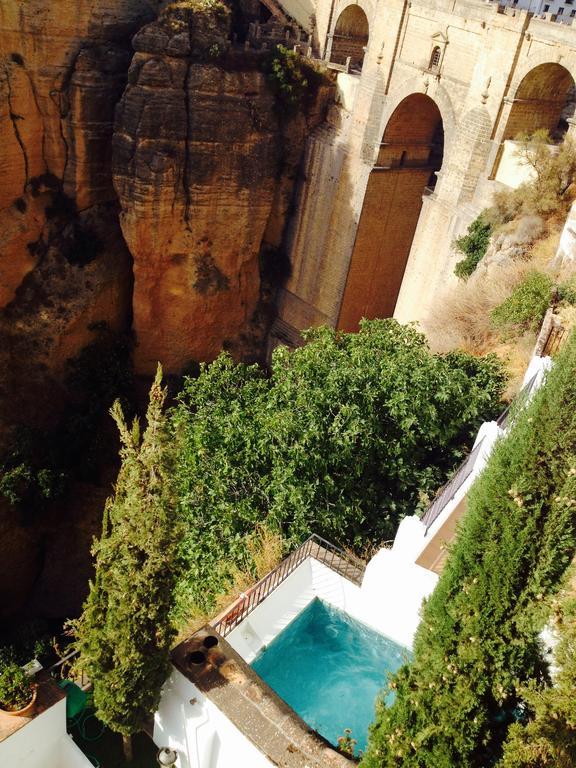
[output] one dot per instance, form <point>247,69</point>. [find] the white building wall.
<point>43,743</point>
<point>200,733</point>
<point>564,10</point>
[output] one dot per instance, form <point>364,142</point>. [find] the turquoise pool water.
<point>330,668</point>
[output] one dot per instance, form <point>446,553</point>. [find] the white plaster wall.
<point>394,587</point>
<point>43,743</point>
<point>538,366</point>
<point>512,170</point>
<point>346,90</point>
<point>371,606</point>
<point>566,253</point>
<point>200,733</point>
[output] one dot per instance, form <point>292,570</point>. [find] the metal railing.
<point>334,558</point>
<point>61,670</point>
<point>448,491</point>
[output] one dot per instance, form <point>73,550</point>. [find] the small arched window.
<point>435,58</point>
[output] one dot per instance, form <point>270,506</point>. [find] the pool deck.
<point>252,706</point>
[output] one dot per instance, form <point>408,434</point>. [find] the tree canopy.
<point>347,435</point>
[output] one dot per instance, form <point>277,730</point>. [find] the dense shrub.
<point>526,306</point>
<point>473,245</point>
<point>341,440</point>
<point>567,291</point>
<point>546,737</point>
<point>478,640</point>
<point>15,687</point>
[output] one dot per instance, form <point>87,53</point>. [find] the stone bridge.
<point>415,148</point>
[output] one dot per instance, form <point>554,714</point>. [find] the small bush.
<point>15,688</point>
<point>473,245</point>
<point>567,291</point>
<point>291,77</point>
<point>524,309</point>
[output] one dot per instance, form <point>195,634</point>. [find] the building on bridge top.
<point>561,11</point>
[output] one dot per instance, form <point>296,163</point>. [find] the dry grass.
<point>265,548</point>
<point>461,318</point>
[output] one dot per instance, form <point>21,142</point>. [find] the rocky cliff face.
<point>198,155</point>
<point>63,262</point>
<point>140,186</point>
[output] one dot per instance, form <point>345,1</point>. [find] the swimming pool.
<point>330,668</point>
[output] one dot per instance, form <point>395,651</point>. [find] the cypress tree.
<point>546,736</point>
<point>124,635</point>
<point>478,647</point>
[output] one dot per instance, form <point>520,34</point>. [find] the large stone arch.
<point>538,99</point>
<point>429,87</point>
<point>350,37</point>
<point>410,154</point>
<point>566,59</point>
<point>541,97</point>
<point>366,5</point>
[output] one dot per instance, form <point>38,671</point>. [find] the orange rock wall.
<point>196,160</point>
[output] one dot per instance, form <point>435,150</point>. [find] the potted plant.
<point>17,691</point>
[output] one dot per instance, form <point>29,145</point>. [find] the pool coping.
<point>253,707</point>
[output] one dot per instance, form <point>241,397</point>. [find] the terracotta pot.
<point>26,711</point>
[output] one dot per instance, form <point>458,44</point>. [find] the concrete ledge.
<point>252,706</point>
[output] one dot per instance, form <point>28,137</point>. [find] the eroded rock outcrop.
<point>201,162</point>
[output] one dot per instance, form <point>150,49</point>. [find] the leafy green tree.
<point>348,434</point>
<point>547,739</point>
<point>473,245</point>
<point>478,643</point>
<point>125,634</point>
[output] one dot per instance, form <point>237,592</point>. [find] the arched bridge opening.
<point>410,155</point>
<point>350,37</point>
<point>544,100</point>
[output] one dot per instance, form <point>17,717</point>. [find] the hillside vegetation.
<point>478,664</point>
<point>507,269</point>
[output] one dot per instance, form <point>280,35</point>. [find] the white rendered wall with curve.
<point>43,743</point>
<point>188,722</point>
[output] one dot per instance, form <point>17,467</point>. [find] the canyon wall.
<point>199,150</point>
<point>63,262</point>
<point>146,174</point>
